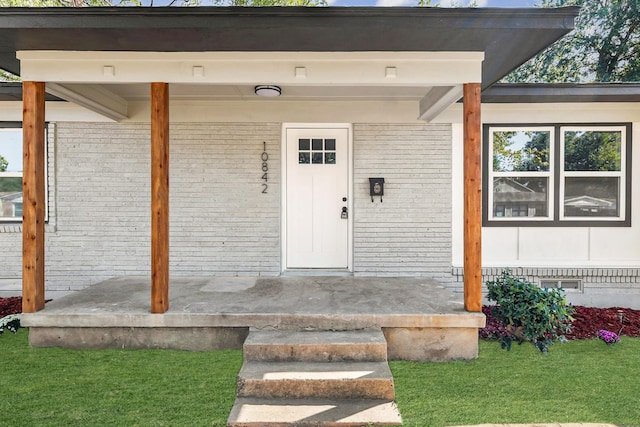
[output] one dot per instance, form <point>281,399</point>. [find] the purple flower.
<point>608,337</point>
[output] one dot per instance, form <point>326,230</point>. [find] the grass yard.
<point>581,381</point>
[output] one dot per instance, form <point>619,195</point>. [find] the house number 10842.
<point>265,168</point>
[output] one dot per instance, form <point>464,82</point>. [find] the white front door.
<point>317,198</point>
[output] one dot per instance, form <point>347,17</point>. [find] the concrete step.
<point>316,346</point>
<point>353,380</point>
<point>251,412</point>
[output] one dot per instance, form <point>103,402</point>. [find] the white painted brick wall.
<point>221,222</point>
<point>409,233</point>
<point>99,227</point>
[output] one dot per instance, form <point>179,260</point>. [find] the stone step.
<point>252,412</point>
<point>316,346</point>
<point>355,380</point>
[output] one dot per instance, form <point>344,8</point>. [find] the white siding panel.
<point>553,245</point>
<point>499,243</point>
<point>615,245</point>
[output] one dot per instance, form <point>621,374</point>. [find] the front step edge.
<point>254,412</point>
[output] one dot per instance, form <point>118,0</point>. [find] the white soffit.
<point>437,100</point>
<point>237,68</point>
<point>92,97</point>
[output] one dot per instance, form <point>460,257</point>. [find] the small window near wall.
<point>11,161</point>
<point>562,175</point>
<point>10,172</point>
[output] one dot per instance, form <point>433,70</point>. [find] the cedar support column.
<point>33,196</point>
<point>159,197</point>
<point>472,200</point>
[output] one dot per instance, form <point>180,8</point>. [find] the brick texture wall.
<point>409,233</point>
<point>99,203</point>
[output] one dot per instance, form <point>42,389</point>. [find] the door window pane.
<point>330,158</point>
<point>304,145</point>
<point>304,158</point>
<point>317,151</point>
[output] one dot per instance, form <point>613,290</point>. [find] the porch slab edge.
<point>255,320</point>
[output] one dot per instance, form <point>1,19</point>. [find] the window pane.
<point>304,158</point>
<point>10,197</point>
<point>330,144</point>
<point>316,144</point>
<point>10,184</point>
<point>330,158</point>
<point>10,150</point>
<point>303,144</point>
<point>592,150</point>
<point>316,158</point>
<point>517,151</point>
<point>592,196</point>
<point>520,197</point>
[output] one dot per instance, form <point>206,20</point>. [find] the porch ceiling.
<point>140,92</point>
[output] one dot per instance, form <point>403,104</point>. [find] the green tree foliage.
<point>592,151</point>
<point>3,164</point>
<point>8,185</point>
<point>509,156</point>
<point>604,47</point>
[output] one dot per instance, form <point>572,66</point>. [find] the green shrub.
<point>529,313</point>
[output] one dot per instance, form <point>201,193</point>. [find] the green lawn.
<point>582,381</point>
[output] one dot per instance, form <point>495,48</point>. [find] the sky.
<point>11,148</point>
<point>443,3</point>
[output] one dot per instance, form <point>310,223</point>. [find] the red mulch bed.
<point>9,306</point>
<point>587,322</point>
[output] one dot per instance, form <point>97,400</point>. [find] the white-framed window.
<point>592,176</point>
<point>557,175</point>
<point>10,172</point>
<point>520,176</point>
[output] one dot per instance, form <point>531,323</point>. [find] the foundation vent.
<point>574,285</point>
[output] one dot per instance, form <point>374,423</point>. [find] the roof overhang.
<point>551,93</point>
<point>425,54</point>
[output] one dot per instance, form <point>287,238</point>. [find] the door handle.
<point>344,214</point>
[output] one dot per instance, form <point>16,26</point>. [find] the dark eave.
<point>508,93</point>
<point>507,36</point>
<point>12,91</point>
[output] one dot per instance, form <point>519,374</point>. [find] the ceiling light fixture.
<point>267,90</point>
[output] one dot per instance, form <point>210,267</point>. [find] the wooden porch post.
<point>33,196</point>
<point>472,200</point>
<point>159,197</point>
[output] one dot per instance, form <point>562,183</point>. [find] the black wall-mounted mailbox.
<point>376,188</point>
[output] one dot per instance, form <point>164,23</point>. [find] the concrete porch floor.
<point>421,319</point>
